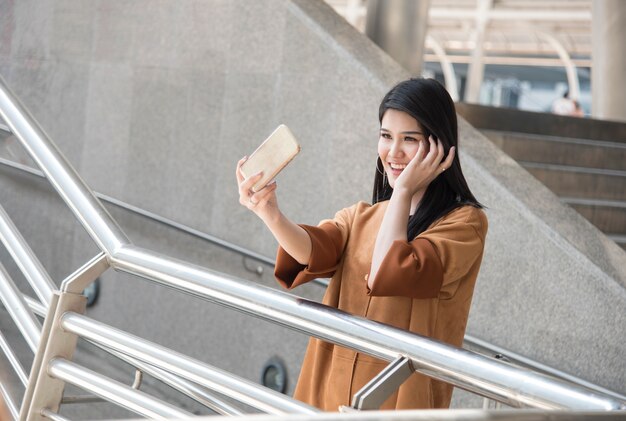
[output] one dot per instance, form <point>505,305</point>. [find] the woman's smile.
<point>396,169</point>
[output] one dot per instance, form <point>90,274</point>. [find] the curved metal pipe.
<point>78,197</point>
<point>113,391</point>
<point>17,365</point>
<point>446,67</point>
<point>184,386</point>
<point>25,259</point>
<point>570,67</point>
<point>15,304</point>
<point>213,378</point>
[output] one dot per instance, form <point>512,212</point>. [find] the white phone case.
<point>271,156</point>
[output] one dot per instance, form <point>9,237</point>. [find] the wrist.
<point>401,194</point>
<point>271,216</point>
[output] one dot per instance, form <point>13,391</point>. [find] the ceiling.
<point>516,32</point>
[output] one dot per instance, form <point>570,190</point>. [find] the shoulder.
<point>465,217</point>
<point>358,216</point>
<point>363,209</point>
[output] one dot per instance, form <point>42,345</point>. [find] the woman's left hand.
<point>424,167</point>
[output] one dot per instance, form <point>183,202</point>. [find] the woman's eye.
<point>385,135</point>
<point>410,139</point>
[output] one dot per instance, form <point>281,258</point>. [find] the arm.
<point>393,228</point>
<point>431,264</point>
<point>410,185</point>
<point>291,237</point>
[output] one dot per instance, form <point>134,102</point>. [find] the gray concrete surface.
<point>154,102</point>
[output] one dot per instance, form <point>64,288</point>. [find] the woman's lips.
<point>396,169</point>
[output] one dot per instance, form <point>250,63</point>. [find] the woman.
<point>409,260</point>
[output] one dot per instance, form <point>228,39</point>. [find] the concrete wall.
<point>154,102</point>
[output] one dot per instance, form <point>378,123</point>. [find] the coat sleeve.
<point>438,257</point>
<point>328,241</point>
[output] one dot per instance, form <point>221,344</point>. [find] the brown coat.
<point>424,286</point>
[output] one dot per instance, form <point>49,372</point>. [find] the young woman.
<point>410,259</point>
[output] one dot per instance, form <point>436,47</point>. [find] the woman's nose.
<point>396,148</point>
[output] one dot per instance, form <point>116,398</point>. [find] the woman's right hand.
<point>263,203</point>
<point>292,238</point>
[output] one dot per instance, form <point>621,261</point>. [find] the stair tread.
<point>574,169</point>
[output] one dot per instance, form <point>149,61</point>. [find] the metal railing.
<point>462,368</point>
<point>470,341</point>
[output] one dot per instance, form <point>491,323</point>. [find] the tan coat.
<point>424,286</point>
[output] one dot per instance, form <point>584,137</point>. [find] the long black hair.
<point>428,102</point>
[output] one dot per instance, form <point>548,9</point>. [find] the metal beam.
<point>512,14</point>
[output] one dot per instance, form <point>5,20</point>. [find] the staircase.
<point>583,161</point>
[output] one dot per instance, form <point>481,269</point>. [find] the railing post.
<point>45,392</point>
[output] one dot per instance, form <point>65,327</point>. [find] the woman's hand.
<point>292,238</point>
<point>425,166</point>
<point>263,203</point>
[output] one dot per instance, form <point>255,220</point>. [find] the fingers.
<point>432,151</point>
<point>246,185</point>
<point>440,151</point>
<point>238,173</point>
<point>260,198</point>
<point>436,154</point>
<point>448,161</point>
<point>421,152</point>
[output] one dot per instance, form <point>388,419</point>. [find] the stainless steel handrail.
<point>225,383</point>
<point>449,415</point>
<point>8,399</point>
<point>485,347</point>
<point>470,340</point>
<point>46,413</point>
<point>14,303</point>
<point>25,259</point>
<point>17,365</point>
<point>82,202</point>
<point>188,388</point>
<point>125,396</point>
<point>159,218</point>
<point>462,368</point>
<point>213,378</point>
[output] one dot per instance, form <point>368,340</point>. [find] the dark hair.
<point>428,102</point>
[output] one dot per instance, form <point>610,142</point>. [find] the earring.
<point>380,171</point>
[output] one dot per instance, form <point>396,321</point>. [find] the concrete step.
<point>607,215</point>
<point>561,150</point>
<point>580,182</point>
<point>619,239</point>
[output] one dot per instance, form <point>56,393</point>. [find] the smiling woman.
<point>410,259</point>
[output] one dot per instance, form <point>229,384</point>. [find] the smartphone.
<point>271,157</point>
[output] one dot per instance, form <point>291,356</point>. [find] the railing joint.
<point>377,390</point>
<point>85,275</point>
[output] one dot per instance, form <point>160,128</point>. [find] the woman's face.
<point>399,138</point>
